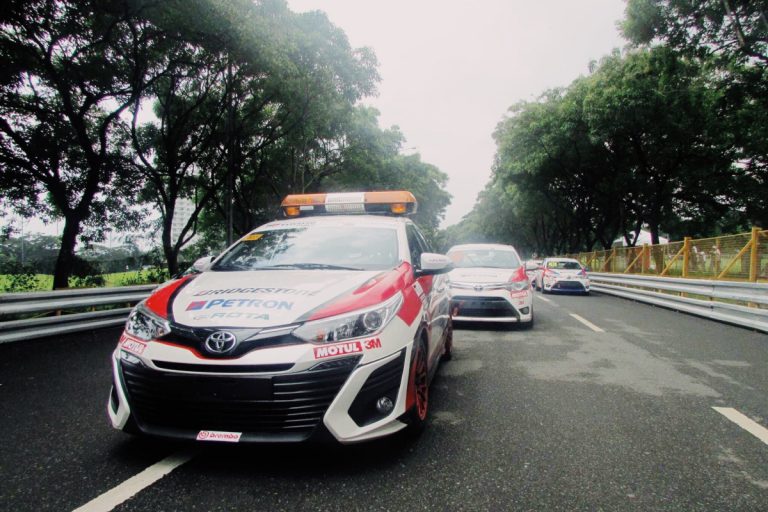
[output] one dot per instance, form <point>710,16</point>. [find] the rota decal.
<point>339,349</point>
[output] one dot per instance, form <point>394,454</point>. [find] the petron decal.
<point>216,435</point>
<point>132,344</point>
<point>339,349</point>
<point>273,291</point>
<point>239,303</point>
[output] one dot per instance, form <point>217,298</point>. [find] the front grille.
<point>383,381</point>
<point>482,307</point>
<point>568,285</point>
<point>248,339</point>
<point>283,404</point>
<point>223,368</point>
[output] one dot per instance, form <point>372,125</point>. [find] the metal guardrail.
<point>739,303</point>
<point>61,303</point>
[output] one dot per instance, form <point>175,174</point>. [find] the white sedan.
<point>562,275</point>
<point>489,284</point>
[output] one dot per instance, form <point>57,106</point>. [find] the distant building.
<point>181,214</point>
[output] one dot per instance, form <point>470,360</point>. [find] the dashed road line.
<point>544,299</point>
<point>128,489</point>
<point>744,422</point>
<point>587,323</point>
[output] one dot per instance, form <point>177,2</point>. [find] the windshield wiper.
<point>230,268</point>
<point>311,266</point>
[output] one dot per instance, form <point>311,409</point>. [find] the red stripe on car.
<point>374,291</point>
<point>158,301</point>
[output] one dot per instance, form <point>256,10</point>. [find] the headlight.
<point>146,325</point>
<point>517,285</point>
<point>365,322</point>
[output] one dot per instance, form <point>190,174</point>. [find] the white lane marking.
<point>587,323</point>
<point>744,422</point>
<point>544,299</point>
<point>136,483</point>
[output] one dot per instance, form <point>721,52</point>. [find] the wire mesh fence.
<point>741,257</point>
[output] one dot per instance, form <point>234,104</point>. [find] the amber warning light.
<point>396,202</point>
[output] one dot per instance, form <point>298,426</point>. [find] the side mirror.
<point>433,264</point>
<point>530,265</point>
<point>203,264</point>
<point>587,269</point>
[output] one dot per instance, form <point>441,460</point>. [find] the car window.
<point>314,247</point>
<point>416,245</point>
<point>492,258</point>
<point>564,265</point>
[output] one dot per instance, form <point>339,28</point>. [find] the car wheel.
<point>448,347</point>
<point>420,410</point>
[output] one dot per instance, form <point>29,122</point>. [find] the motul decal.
<point>339,349</point>
<point>132,344</point>
<point>215,435</point>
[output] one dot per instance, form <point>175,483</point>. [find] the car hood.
<point>261,298</point>
<point>481,275</point>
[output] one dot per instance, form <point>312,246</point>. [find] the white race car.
<point>562,275</point>
<point>489,284</point>
<point>331,321</point>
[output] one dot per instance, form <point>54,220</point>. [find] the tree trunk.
<point>66,258</point>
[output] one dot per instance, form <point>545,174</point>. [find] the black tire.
<point>417,416</point>
<point>448,350</point>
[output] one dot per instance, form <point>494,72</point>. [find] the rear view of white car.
<point>562,275</point>
<point>489,284</point>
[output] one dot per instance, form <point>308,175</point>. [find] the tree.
<point>72,70</point>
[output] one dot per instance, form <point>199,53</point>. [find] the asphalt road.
<point>559,418</point>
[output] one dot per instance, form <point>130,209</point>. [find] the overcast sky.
<point>450,70</point>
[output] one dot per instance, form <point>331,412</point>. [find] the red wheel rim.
<point>422,389</point>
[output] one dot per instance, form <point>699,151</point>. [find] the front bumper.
<point>500,306</point>
<point>301,402</point>
<point>566,285</point>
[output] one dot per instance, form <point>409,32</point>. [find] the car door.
<point>435,292</point>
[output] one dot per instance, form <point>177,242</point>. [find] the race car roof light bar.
<point>394,202</point>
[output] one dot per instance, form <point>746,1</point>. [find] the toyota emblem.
<point>220,342</point>
<point>478,288</point>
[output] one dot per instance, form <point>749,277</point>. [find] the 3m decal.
<point>239,303</point>
<point>252,237</point>
<point>216,435</point>
<point>273,291</point>
<point>339,349</point>
<point>372,344</point>
<point>132,345</point>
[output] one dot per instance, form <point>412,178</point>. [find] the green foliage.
<point>639,142</point>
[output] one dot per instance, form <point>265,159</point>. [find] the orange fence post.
<point>754,262</point>
<point>686,255</point>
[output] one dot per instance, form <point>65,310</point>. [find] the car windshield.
<point>564,265</point>
<point>492,258</point>
<point>314,248</point>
